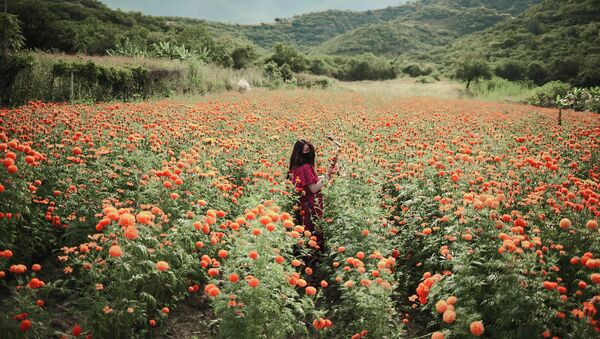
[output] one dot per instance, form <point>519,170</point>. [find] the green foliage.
<point>416,69</point>
<point>500,89</point>
<point>581,99</point>
<point>10,67</point>
<point>274,308</point>
<point>48,78</point>
<point>366,66</point>
<point>545,96</point>
<point>472,69</point>
<point>560,36</point>
<point>285,54</point>
<point>10,33</point>
<point>537,73</point>
<point>510,70</point>
<point>243,56</point>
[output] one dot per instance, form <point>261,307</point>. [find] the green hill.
<point>561,36</point>
<point>423,25</point>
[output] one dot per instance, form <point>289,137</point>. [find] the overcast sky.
<point>242,11</point>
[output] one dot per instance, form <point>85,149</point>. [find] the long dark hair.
<point>298,158</point>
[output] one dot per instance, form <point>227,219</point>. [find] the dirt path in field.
<point>406,87</point>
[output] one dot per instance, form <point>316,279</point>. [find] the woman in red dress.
<point>308,185</point>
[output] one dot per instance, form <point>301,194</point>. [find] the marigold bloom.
<point>76,330</point>
<point>162,266</point>
<point>25,325</point>
<point>449,316</point>
<point>565,223</point>
<point>131,233</point>
<point>437,335</point>
<point>441,306</point>
<point>477,328</point>
<point>126,220</point>
<point>311,290</point>
<point>253,282</point>
<point>115,251</point>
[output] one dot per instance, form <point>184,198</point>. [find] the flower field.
<point>446,219</point>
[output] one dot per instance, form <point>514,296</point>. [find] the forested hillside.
<point>422,25</point>
<point>557,40</point>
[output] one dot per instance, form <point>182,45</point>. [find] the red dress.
<point>311,204</point>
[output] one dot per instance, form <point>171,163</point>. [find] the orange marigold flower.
<point>162,266</point>
<point>477,328</point>
<point>449,316</point>
<point>115,251</point>
<point>253,282</point>
<point>131,233</point>
<point>126,220</point>
<point>441,306</point>
<point>565,223</point>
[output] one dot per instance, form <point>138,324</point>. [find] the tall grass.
<point>168,77</point>
<point>498,89</point>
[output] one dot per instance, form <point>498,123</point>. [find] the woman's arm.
<point>314,188</point>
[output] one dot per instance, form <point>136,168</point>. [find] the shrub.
<point>415,70</point>
<point>545,96</point>
<point>537,73</point>
<point>510,70</point>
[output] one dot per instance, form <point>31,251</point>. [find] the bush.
<point>415,70</point>
<point>545,96</point>
<point>367,67</point>
<point>308,81</point>
<point>589,74</point>
<point>581,99</point>
<point>510,70</point>
<point>283,54</point>
<point>537,73</point>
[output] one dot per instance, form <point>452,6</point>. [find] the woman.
<point>308,185</point>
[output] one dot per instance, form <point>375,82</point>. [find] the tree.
<point>472,69</point>
<point>243,56</point>
<point>283,54</point>
<point>12,39</point>
<point>510,70</point>
<point>537,73</point>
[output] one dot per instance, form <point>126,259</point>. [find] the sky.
<point>242,11</point>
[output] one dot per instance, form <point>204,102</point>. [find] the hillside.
<point>347,32</point>
<point>90,27</point>
<point>562,36</point>
<point>422,25</point>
